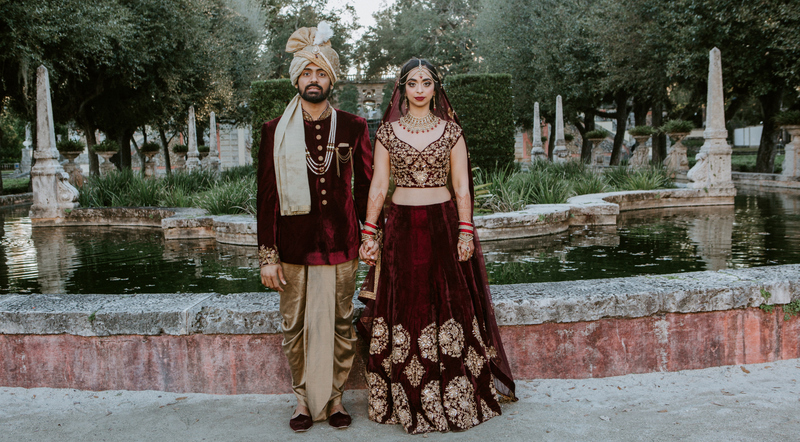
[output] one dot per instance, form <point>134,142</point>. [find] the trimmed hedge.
<point>268,100</point>
<point>484,105</point>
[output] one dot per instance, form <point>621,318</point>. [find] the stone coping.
<point>18,198</point>
<point>773,180</point>
<point>517,304</point>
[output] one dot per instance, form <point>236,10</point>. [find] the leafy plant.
<point>230,197</point>
<point>642,131</point>
<point>180,148</point>
<point>107,145</point>
<point>597,133</point>
<point>764,306</point>
<point>150,147</point>
<point>203,148</point>
<point>677,126</point>
<point>69,146</point>
<point>569,137</point>
<point>791,309</point>
<point>788,118</point>
<point>544,139</point>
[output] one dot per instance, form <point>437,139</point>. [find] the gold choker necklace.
<point>416,125</point>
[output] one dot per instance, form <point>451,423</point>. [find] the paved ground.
<point>738,403</point>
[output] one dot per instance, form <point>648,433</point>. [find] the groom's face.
<point>314,84</point>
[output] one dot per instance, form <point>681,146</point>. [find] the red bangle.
<point>367,232</point>
<point>465,223</point>
<point>369,224</point>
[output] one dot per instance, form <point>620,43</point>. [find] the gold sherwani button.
<point>322,180</point>
<point>324,202</point>
<point>320,158</point>
<point>324,191</point>
<point>319,147</point>
<point>319,137</point>
<point>318,127</point>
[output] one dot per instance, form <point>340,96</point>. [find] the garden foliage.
<point>268,100</point>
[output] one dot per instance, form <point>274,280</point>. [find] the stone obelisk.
<point>713,167</point>
<point>537,152</point>
<point>211,162</point>
<point>52,192</point>
<point>560,152</point>
<point>193,157</point>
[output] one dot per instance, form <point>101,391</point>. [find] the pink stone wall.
<point>238,364</point>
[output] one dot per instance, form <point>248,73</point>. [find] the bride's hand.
<point>465,250</point>
<point>368,252</point>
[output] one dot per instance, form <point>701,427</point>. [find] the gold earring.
<point>434,102</point>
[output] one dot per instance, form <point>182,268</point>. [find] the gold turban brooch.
<point>313,45</point>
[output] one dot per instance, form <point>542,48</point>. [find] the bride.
<point>436,362</point>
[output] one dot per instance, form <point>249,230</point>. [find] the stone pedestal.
<point>150,163</point>
<point>677,160</point>
<point>560,152</point>
<point>211,162</point>
<point>178,160</point>
<point>52,192</point>
<point>713,167</point>
<point>193,157</point>
<point>597,152</point>
<point>791,162</point>
<point>107,165</point>
<point>641,157</point>
<point>72,169</point>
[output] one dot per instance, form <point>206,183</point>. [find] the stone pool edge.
<point>230,344</point>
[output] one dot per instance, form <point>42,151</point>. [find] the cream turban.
<point>313,45</point>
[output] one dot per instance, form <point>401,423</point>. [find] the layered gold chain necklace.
<point>416,125</point>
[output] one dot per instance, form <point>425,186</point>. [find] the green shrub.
<point>788,118</point>
<point>141,192</point>
<point>568,137</point>
<point>230,197</point>
<point>107,145</point>
<point>693,143</point>
<point>677,126</point>
<point>203,148</point>
<point>483,104</point>
<point>150,147</point>
<point>192,182</point>
<point>176,197</point>
<point>69,146</point>
<point>180,148</point>
<point>268,99</point>
<point>13,186</point>
<point>597,133</point>
<point>544,139</point>
<point>237,173</point>
<point>101,191</point>
<point>591,183</point>
<point>642,131</point>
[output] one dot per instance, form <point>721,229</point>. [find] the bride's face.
<point>419,89</point>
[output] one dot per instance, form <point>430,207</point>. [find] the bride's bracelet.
<point>466,231</point>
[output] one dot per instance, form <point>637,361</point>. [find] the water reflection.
<point>761,229</point>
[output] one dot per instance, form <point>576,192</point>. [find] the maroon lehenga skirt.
<point>436,362</point>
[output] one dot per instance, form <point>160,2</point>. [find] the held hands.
<point>272,276</point>
<point>368,252</point>
<point>465,250</point>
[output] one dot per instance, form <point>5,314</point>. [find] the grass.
<point>229,192</point>
<point>13,186</point>
<point>554,183</point>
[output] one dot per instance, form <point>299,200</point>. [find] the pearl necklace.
<point>416,125</point>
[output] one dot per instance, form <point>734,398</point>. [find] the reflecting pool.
<point>760,229</point>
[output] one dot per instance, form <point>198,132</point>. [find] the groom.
<point>308,227</point>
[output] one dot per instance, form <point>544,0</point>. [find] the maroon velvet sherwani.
<point>329,234</point>
<point>318,253</point>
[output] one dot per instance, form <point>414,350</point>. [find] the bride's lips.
<point>419,98</point>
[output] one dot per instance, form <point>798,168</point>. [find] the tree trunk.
<point>659,139</point>
<point>640,108</point>
<point>139,154</point>
<point>91,142</point>
<point>588,126</point>
<point>770,105</point>
<point>621,100</point>
<point>124,141</point>
<point>165,143</point>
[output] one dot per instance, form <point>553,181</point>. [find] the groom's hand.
<point>272,276</point>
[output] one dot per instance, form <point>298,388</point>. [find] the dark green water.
<point>761,229</point>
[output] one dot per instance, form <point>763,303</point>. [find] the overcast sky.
<point>364,10</point>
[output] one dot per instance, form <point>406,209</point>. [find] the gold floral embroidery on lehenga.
<point>432,404</point>
<point>414,371</point>
<point>422,425</point>
<point>487,411</point>
<point>451,338</point>
<point>476,331</point>
<point>387,365</point>
<point>474,362</point>
<point>428,346</point>
<point>380,336</point>
<point>401,342</point>
<point>401,408</point>
<point>377,397</point>
<point>459,403</point>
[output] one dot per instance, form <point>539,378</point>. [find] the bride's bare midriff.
<point>420,196</point>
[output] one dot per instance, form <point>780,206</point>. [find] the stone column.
<point>791,162</point>
<point>52,192</point>
<point>212,160</point>
<point>713,235</point>
<point>240,144</point>
<point>560,152</point>
<point>537,152</point>
<point>193,157</point>
<point>713,167</point>
<point>27,152</point>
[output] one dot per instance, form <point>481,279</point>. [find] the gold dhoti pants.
<point>318,335</point>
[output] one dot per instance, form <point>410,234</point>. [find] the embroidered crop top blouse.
<point>428,167</point>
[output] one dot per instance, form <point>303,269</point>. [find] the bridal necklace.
<point>416,125</point>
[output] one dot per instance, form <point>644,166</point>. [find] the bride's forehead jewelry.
<point>418,69</point>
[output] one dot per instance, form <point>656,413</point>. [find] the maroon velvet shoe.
<point>340,420</point>
<point>300,423</point>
